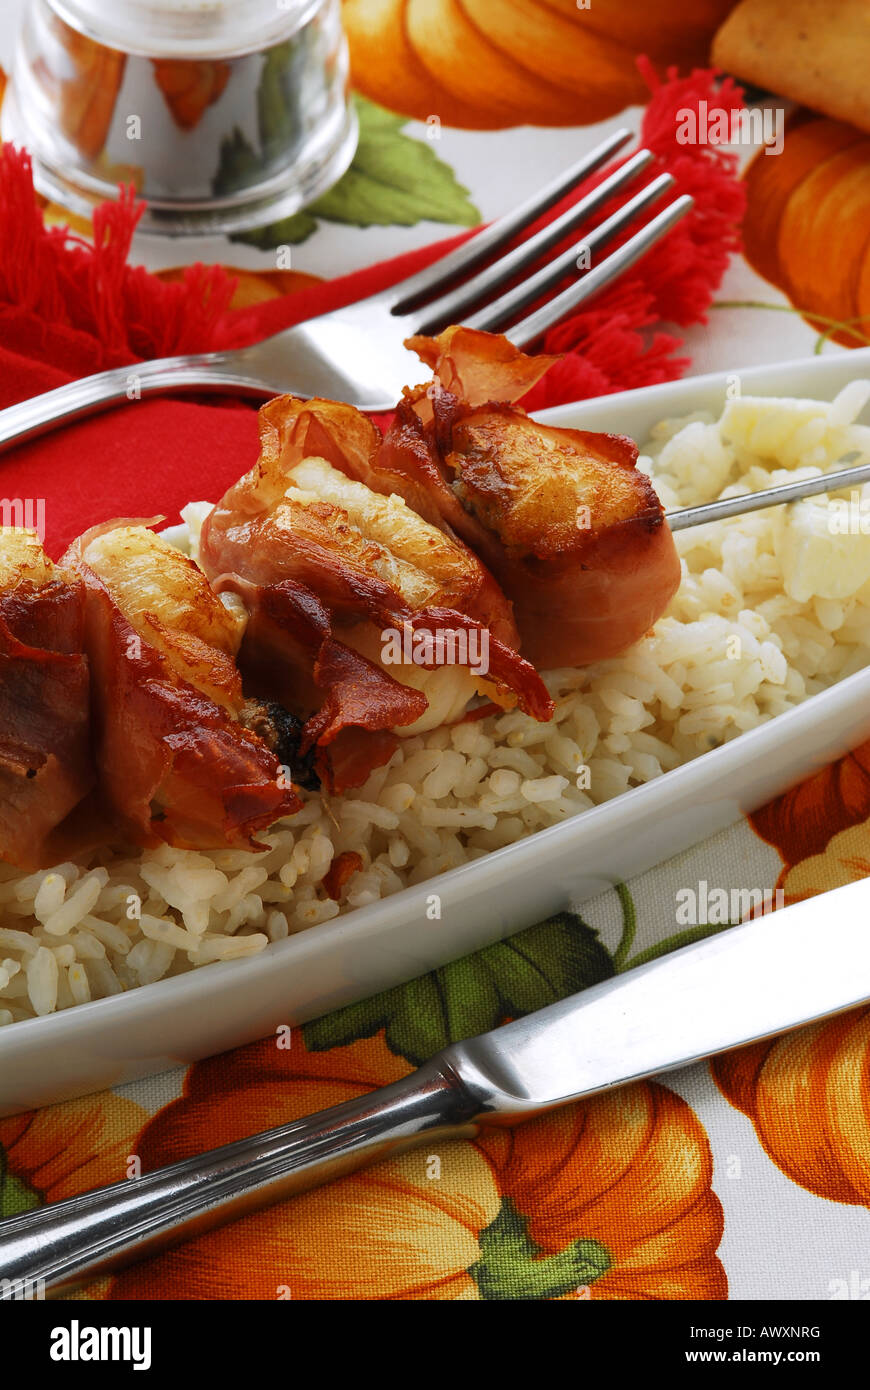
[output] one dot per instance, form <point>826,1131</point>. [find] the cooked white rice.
<point>773,607</point>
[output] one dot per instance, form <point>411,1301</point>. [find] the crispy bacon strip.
<point>292,430</point>
<point>407,461</point>
<point>45,768</point>
<point>507,669</point>
<point>477,367</point>
<point>342,870</point>
<point>174,764</point>
<point>289,653</point>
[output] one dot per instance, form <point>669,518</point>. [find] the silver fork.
<point>356,354</point>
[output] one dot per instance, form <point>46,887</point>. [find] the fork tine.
<point>450,306</point>
<point>529,329</point>
<point>508,305</point>
<point>474,250</point>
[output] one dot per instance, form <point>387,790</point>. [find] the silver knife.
<point>752,981</point>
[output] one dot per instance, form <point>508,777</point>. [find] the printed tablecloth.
<point>748,1178</point>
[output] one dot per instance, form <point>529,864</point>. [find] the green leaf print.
<point>15,1195</point>
<point>394,180</point>
<point>513,977</point>
<point>512,1266</point>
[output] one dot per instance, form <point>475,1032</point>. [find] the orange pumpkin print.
<point>611,1199</point>
<point>808,1096</point>
<point>190,87</point>
<point>487,64</point>
<point>802,821</point>
<point>845,859</point>
<point>252,286</point>
<point>636,1185</point>
<point>49,1154</point>
<point>88,96</point>
<point>808,1093</point>
<point>805,226</point>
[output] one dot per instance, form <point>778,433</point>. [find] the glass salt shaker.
<point>225,115</point>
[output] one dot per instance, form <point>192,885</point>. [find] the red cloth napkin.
<point>69,308</point>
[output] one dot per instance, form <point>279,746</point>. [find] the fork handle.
<point>209,371</point>
<point>66,1244</point>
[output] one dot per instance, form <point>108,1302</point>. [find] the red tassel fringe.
<point>81,302</point>
<point>82,308</point>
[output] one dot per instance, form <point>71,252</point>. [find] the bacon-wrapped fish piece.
<point>564,519</point>
<point>370,616</point>
<point>45,765</point>
<point>174,757</point>
<point>571,528</point>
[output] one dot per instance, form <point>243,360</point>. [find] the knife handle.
<point>66,1244</point>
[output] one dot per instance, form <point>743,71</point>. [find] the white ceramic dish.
<point>218,1007</point>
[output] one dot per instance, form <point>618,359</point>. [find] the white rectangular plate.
<point>218,1007</point>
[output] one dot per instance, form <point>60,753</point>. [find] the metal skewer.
<point>684,517</point>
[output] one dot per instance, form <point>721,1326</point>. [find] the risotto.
<point>773,607</point>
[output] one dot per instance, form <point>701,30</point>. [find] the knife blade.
<point>748,982</point>
<point>794,966</point>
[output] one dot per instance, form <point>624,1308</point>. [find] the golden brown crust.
<point>168,601</point>
<point>547,492</point>
<point>22,559</point>
<point>173,762</point>
<point>316,543</point>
